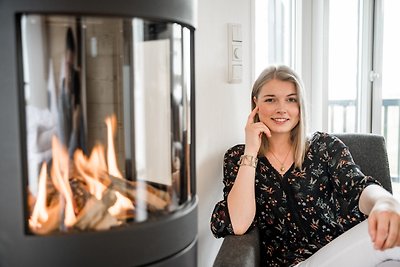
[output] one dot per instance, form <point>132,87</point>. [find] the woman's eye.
<point>292,99</point>
<point>269,100</point>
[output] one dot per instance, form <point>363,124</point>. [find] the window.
<point>386,86</point>
<point>346,52</point>
<point>275,33</point>
<point>363,95</point>
<point>352,75</point>
<point>342,66</point>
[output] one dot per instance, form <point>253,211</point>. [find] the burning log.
<point>155,199</point>
<point>95,214</point>
<point>89,193</point>
<point>80,194</point>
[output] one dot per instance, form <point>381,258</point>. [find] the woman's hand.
<point>254,132</point>
<point>384,223</point>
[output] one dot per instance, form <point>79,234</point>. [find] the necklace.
<point>282,169</point>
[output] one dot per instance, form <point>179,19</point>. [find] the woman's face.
<point>278,106</point>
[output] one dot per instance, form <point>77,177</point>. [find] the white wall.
<point>221,108</point>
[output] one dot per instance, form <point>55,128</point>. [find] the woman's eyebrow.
<point>268,96</point>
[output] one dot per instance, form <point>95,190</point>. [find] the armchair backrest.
<point>369,152</point>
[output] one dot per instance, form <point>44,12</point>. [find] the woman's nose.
<point>281,108</point>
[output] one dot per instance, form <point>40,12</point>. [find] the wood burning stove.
<point>97,136</point>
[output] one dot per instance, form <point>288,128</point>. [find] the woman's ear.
<point>255,100</point>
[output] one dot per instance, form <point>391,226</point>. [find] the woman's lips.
<point>280,120</point>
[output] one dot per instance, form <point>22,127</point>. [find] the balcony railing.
<point>342,118</point>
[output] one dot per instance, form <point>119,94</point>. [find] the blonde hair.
<point>298,133</point>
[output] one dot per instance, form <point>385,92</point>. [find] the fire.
<point>40,213</point>
<point>93,171</point>
<point>60,178</point>
<point>111,123</point>
<point>122,203</point>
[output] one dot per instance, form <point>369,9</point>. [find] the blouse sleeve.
<point>348,180</point>
<point>220,221</point>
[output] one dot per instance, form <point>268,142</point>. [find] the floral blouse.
<point>303,210</point>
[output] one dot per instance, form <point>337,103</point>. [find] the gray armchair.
<point>368,151</point>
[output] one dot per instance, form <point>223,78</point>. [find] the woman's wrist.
<point>250,152</point>
<point>376,198</point>
<point>387,203</point>
<point>248,160</point>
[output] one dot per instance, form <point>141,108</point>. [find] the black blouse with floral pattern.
<point>303,210</point>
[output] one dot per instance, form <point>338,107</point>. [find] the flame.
<point>60,178</point>
<point>88,169</point>
<point>39,213</point>
<point>111,123</point>
<point>122,203</point>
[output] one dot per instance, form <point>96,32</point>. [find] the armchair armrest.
<point>239,251</point>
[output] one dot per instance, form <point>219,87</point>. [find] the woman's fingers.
<point>254,132</point>
<point>393,234</point>
<point>384,229</point>
<point>251,116</point>
<point>384,223</point>
<point>261,127</point>
<point>266,131</point>
<point>372,222</point>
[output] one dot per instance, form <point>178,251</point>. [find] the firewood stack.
<point>92,213</point>
<point>89,193</point>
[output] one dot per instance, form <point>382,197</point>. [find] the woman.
<point>301,192</point>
